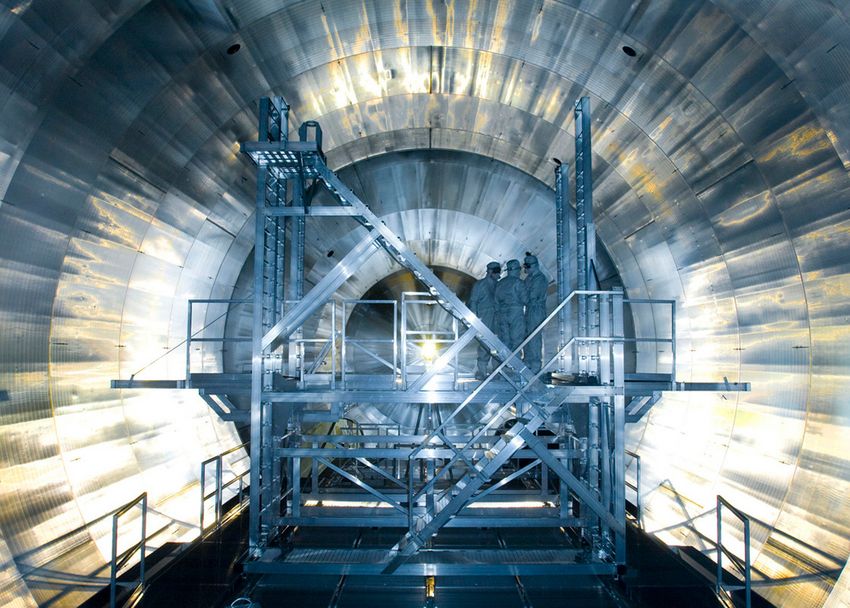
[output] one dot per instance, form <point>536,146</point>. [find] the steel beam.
<point>322,291</point>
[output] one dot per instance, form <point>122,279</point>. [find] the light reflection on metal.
<point>686,137</point>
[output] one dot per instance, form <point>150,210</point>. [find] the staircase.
<point>532,401</point>
<point>458,496</point>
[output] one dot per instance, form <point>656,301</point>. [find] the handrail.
<point>720,585</point>
<point>190,337</point>
<point>433,434</point>
<point>358,343</point>
<point>410,335</point>
<point>636,486</point>
<point>521,392</point>
<point>671,340</point>
<point>118,561</point>
<point>219,486</point>
<point>476,438</point>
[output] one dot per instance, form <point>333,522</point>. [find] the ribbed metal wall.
<point>721,157</point>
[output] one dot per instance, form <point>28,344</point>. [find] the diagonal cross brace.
<point>443,360</point>
<point>574,483</point>
<point>404,256</point>
<point>322,291</point>
<point>513,440</point>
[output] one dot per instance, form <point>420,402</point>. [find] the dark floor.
<point>655,577</point>
<point>495,592</point>
<point>209,575</point>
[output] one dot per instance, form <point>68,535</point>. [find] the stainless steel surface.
<point>721,152</point>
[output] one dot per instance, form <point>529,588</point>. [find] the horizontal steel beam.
<point>403,453</point>
<point>504,495</point>
<point>506,518</point>
<point>228,384</point>
<point>576,394</point>
<point>482,562</point>
<point>310,211</point>
<point>160,384</point>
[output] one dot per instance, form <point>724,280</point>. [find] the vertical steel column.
<point>267,277</point>
<point>617,360</point>
<point>563,242</point>
<point>143,544</point>
<point>342,356</point>
<point>295,285</point>
<point>218,490</point>
<point>603,352</point>
<point>396,379</point>
<point>333,344</point>
<point>593,445</point>
<point>297,230</point>
<point>314,473</point>
<point>429,469</point>
<point>605,452</point>
<point>563,489</point>
<point>403,344</point>
<point>256,533</point>
<point>189,344</point>
<point>673,343</point>
<point>603,348</point>
<point>296,487</point>
<point>585,233</point>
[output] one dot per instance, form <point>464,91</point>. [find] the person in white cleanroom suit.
<point>482,301</point>
<point>536,285</point>
<point>510,301</point>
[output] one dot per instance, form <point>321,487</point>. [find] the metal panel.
<point>713,86</point>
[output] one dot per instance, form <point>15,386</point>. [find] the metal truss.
<point>518,449</point>
<point>437,477</point>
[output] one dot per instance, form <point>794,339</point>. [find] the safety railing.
<point>58,573</point>
<point>161,526</point>
<point>313,353</point>
<point>380,350</point>
<point>632,302</point>
<point>425,342</point>
<point>635,486</point>
<point>220,485</point>
<point>743,567</point>
<point>816,565</point>
<point>119,560</point>
<point>523,393</point>
<point>197,337</point>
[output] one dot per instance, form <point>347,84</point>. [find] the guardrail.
<point>192,337</point>
<point>220,486</point>
<point>671,340</point>
<point>636,487</point>
<point>829,568</point>
<point>744,568</point>
<point>119,561</point>
<point>371,347</point>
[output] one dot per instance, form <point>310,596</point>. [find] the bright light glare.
<point>513,504</point>
<point>429,351</point>
<point>347,503</point>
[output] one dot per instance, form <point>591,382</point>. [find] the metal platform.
<point>635,385</point>
<point>428,562</point>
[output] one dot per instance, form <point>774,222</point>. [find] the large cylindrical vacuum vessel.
<point>720,163</point>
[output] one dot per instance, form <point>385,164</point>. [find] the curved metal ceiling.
<point>721,157</point>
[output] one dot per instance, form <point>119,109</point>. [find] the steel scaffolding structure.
<point>518,443</point>
<point>519,449</point>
